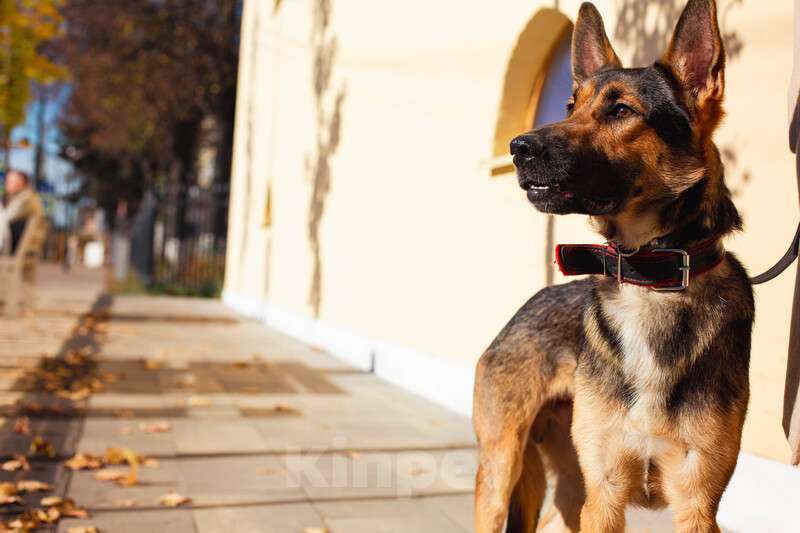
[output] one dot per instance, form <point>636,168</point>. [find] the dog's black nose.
<point>526,146</point>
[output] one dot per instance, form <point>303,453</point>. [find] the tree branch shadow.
<point>644,28</point>
<point>328,103</point>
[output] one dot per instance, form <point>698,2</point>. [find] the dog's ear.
<point>696,54</point>
<point>591,49</point>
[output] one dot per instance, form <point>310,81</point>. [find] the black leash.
<point>782,264</point>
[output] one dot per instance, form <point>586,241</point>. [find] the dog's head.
<point>636,144</point>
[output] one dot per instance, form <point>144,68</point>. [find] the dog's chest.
<point>638,318</point>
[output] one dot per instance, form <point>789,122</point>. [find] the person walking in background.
<point>22,203</point>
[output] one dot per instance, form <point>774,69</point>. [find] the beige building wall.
<point>363,201</point>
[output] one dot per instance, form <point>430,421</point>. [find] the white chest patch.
<point>632,316</point>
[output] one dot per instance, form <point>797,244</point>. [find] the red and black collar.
<point>659,269</point>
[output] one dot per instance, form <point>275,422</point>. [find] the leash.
<point>783,263</point>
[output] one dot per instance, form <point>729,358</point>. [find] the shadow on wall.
<point>328,104</point>
<point>644,28</point>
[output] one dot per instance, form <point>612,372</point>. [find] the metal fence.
<point>189,239</point>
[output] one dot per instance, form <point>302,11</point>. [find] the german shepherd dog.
<point>617,393</point>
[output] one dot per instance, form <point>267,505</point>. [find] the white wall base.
<point>761,498</point>
<point>448,383</point>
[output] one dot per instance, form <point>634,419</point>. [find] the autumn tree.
<point>146,75</point>
<point>25,27</point>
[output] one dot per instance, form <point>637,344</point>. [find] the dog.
<point>618,393</point>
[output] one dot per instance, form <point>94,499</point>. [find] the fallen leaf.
<point>269,471</point>
<point>83,461</point>
<point>316,530</point>
<point>32,485</point>
<point>8,489</point>
<point>173,499</point>
<point>19,462</point>
<point>286,409</point>
<point>198,401</point>
<point>41,447</point>
<point>124,413</point>
<point>75,396</point>
<point>109,474</point>
<point>48,516</point>
<point>51,501</point>
<point>153,364</point>
<point>22,425</point>
<point>83,529</point>
<point>416,471</point>
<point>148,462</point>
<point>7,500</point>
<point>68,508</point>
<point>155,427</point>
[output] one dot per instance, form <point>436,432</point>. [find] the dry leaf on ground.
<point>198,401</point>
<point>32,485</point>
<point>416,471</point>
<point>155,427</point>
<point>76,395</point>
<point>50,501</point>
<point>7,500</point>
<point>120,477</point>
<point>41,447</point>
<point>286,409</point>
<point>173,499</point>
<point>22,425</point>
<point>83,461</point>
<point>83,529</point>
<point>153,364</point>
<point>316,530</point>
<point>19,462</point>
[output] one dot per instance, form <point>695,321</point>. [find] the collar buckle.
<point>685,269</point>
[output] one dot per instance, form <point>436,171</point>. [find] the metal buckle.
<point>684,268</point>
<point>620,255</point>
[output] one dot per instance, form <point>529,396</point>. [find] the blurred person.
<point>22,203</point>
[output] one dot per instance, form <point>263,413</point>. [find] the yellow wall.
<point>419,246</point>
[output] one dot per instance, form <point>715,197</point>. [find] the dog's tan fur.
<point>600,413</point>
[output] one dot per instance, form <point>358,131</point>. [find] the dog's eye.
<point>621,111</point>
<point>570,107</point>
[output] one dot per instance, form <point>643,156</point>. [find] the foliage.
<point>26,26</point>
<point>145,76</point>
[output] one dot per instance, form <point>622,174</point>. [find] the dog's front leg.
<point>611,470</point>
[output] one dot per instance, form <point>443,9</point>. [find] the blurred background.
<point>337,171</point>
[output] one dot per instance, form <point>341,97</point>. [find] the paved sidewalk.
<point>260,432</point>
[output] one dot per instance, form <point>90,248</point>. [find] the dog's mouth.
<point>559,198</point>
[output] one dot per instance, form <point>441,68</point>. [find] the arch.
<point>523,80</point>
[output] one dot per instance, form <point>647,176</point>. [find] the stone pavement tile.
<point>217,436</point>
<point>238,480</point>
<point>459,509</point>
<point>102,433</point>
<point>121,402</point>
<point>388,516</point>
<point>283,518</point>
<point>342,475</point>
<point>383,474</point>
<point>152,483</point>
<point>160,521</point>
<point>296,434</point>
